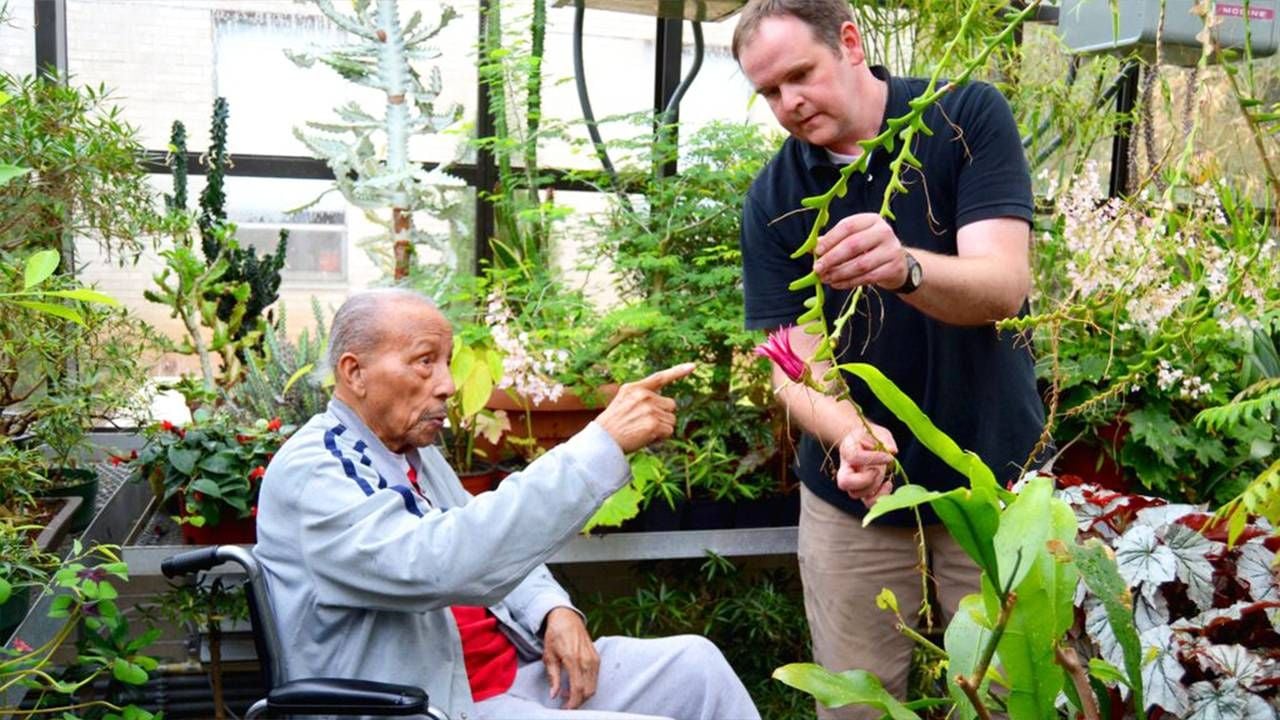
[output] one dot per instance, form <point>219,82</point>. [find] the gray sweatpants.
<point>675,678</point>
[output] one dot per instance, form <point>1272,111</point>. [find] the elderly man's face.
<point>406,379</point>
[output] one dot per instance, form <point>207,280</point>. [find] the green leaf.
<point>939,443</point>
<point>296,376</point>
<point>39,267</point>
<point>1023,532</point>
<point>5,591</point>
<point>620,507</point>
<point>972,518</point>
<point>846,688</point>
<point>61,606</point>
<point>127,672</point>
<point>223,462</point>
<point>61,311</point>
<point>966,636</point>
<point>1098,568</point>
<point>1106,672</point>
<point>1041,616</point>
<point>183,459</point>
<point>85,295</point>
<point>10,172</point>
<point>906,496</point>
<point>206,486</point>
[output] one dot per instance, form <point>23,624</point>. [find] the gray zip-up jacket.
<point>362,571</point>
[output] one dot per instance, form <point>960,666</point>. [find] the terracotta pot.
<point>551,422</point>
<point>480,480</point>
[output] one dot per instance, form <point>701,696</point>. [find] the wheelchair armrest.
<point>333,696</point>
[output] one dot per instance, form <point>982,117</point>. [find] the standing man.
<point>935,280</point>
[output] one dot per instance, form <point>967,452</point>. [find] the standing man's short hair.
<point>824,18</point>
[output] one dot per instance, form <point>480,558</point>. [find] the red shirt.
<point>489,655</point>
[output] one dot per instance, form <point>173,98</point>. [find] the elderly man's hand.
<point>568,650</point>
<point>865,458</point>
<point>638,415</point>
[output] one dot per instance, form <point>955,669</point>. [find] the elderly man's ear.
<point>351,373</point>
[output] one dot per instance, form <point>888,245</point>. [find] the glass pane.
<point>334,249</point>
<point>17,37</point>
<point>167,61</point>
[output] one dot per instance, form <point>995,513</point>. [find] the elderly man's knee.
<point>699,657</point>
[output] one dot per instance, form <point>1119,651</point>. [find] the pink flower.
<point>778,349</point>
<point>21,646</point>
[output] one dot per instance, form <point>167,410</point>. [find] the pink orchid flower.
<point>778,349</point>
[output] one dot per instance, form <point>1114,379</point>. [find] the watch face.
<point>916,271</point>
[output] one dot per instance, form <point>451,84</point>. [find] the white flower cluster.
<point>1190,387</point>
<point>530,373</point>
<point>1117,253</point>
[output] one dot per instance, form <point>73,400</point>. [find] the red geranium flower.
<point>274,425</point>
<point>257,473</point>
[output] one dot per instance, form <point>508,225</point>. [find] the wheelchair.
<point>304,696</point>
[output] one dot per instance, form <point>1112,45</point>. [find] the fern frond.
<point>1253,404</point>
<point>1261,497</point>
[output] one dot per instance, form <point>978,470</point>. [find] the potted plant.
<point>23,565</point>
<point>475,365</point>
<point>212,469</point>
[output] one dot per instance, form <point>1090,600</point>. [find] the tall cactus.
<point>262,273</point>
<point>379,57</point>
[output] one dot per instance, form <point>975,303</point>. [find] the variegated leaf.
<point>1238,663</point>
<point>1226,701</point>
<point>1143,559</point>
<point>1161,671</point>
<point>1148,612</point>
<point>1254,567</point>
<point>1164,514</point>
<point>1193,568</point>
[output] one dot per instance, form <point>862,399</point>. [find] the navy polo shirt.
<point>976,384</point>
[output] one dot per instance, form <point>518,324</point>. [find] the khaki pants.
<point>844,566</point>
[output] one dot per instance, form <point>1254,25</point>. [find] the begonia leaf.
<point>1142,558</point>
<point>1193,568</point>
<point>1255,568</point>
<point>1162,672</point>
<point>1235,662</point>
<point>1210,701</point>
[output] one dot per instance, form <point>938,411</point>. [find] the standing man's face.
<point>808,86</point>
<point>405,381</point>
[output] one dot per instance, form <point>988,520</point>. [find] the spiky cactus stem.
<point>393,69</point>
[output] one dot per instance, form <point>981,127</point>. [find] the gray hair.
<point>358,325</point>
<point>824,18</point>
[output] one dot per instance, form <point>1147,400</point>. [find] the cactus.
<point>243,264</point>
<point>379,58</point>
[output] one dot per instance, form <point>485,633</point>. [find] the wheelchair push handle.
<point>191,561</point>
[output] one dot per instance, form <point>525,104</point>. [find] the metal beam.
<point>51,38</point>
<point>667,51</point>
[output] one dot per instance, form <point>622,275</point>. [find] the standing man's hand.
<point>568,650</point>
<point>861,249</point>
<point>638,415</point>
<point>864,469</point>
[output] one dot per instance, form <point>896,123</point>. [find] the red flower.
<point>116,460</point>
<point>253,511</point>
<point>257,473</point>
<point>274,425</point>
<point>170,427</point>
<point>778,349</point>
<point>243,439</point>
<point>21,646</point>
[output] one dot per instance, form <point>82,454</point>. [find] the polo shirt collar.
<point>896,105</point>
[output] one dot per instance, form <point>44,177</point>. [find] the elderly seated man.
<point>380,566</point>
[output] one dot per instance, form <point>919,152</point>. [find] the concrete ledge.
<point>146,559</point>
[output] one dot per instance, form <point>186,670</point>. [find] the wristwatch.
<point>915,274</point>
